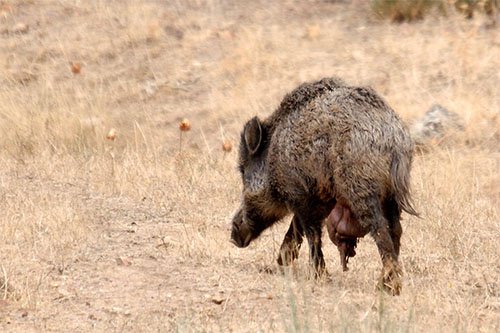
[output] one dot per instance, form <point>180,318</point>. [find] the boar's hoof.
<point>390,279</point>
<point>288,253</point>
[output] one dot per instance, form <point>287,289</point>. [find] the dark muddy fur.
<point>326,143</point>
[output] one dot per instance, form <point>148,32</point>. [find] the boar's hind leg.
<point>392,213</point>
<point>290,247</point>
<point>370,215</point>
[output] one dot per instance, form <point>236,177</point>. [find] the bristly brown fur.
<point>326,143</point>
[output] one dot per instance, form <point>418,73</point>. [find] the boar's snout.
<point>241,234</point>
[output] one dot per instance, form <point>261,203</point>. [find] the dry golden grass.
<point>131,233</point>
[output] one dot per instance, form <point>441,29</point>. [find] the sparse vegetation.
<point>405,10</point>
<point>411,10</point>
<point>469,7</point>
<point>106,226</point>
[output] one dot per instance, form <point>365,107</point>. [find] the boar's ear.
<point>253,135</point>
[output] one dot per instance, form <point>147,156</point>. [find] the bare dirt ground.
<point>131,234</point>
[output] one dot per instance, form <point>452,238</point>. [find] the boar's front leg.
<point>289,250</point>
<point>313,234</point>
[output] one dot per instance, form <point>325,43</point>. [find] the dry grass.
<point>132,234</point>
<point>410,10</point>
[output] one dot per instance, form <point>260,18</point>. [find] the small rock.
<point>20,28</point>
<point>120,311</point>
<point>154,31</point>
<point>436,123</point>
<point>313,32</point>
<point>226,33</point>
<point>217,300</point>
<point>173,31</point>
<point>54,284</point>
<point>63,291</point>
<point>150,88</point>
<point>23,76</point>
<point>122,261</point>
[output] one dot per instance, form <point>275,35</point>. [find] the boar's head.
<point>258,209</point>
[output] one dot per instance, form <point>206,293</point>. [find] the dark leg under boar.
<point>370,214</point>
<point>390,279</point>
<point>392,213</point>
<point>313,234</point>
<point>289,250</point>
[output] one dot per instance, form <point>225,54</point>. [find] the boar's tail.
<point>400,177</point>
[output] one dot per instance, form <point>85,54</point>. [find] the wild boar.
<point>327,143</point>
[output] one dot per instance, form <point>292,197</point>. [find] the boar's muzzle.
<point>241,234</point>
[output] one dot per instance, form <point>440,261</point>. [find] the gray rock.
<point>436,124</point>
